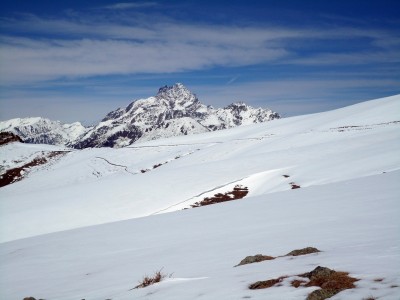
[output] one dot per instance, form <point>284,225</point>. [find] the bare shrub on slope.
<point>149,280</point>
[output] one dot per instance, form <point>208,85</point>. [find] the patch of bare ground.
<point>254,259</point>
<point>296,283</point>
<point>303,251</point>
<point>16,174</point>
<point>238,192</point>
<point>330,282</point>
<point>260,257</point>
<point>266,283</point>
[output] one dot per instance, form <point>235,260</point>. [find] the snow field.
<point>89,226</point>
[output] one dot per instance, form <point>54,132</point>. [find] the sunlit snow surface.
<point>346,162</point>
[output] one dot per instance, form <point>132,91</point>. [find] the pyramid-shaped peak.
<point>176,92</point>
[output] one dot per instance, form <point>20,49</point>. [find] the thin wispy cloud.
<point>98,46</point>
<point>232,80</point>
<point>130,5</point>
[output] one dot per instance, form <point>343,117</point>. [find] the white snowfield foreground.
<point>347,163</point>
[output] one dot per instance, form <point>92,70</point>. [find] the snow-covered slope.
<point>105,185</point>
<point>44,131</point>
<point>174,111</point>
<point>355,224</point>
<point>346,163</point>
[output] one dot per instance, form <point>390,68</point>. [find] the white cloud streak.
<point>130,5</point>
<point>93,46</point>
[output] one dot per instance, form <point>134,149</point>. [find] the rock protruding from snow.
<point>173,111</point>
<point>9,137</point>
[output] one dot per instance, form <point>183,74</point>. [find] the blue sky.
<point>78,60</point>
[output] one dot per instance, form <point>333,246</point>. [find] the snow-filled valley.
<point>91,223</point>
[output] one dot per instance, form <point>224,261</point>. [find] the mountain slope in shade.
<point>172,112</point>
<point>44,131</point>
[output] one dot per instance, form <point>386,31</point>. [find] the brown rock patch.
<point>303,251</point>
<point>254,259</point>
<point>238,192</point>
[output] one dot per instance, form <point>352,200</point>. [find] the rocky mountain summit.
<point>173,111</point>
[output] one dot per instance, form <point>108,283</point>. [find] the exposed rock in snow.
<point>9,137</point>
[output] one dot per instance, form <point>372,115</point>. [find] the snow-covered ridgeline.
<point>174,111</point>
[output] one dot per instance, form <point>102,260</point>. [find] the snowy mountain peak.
<point>39,130</point>
<point>173,111</point>
<point>177,94</point>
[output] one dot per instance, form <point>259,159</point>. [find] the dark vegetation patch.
<point>238,192</point>
<point>330,282</point>
<point>154,167</point>
<point>303,251</point>
<point>266,283</point>
<point>16,174</point>
<point>149,280</point>
<point>294,186</point>
<point>9,137</point>
<point>254,259</point>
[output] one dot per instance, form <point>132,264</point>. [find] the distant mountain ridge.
<point>44,131</point>
<point>173,111</point>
